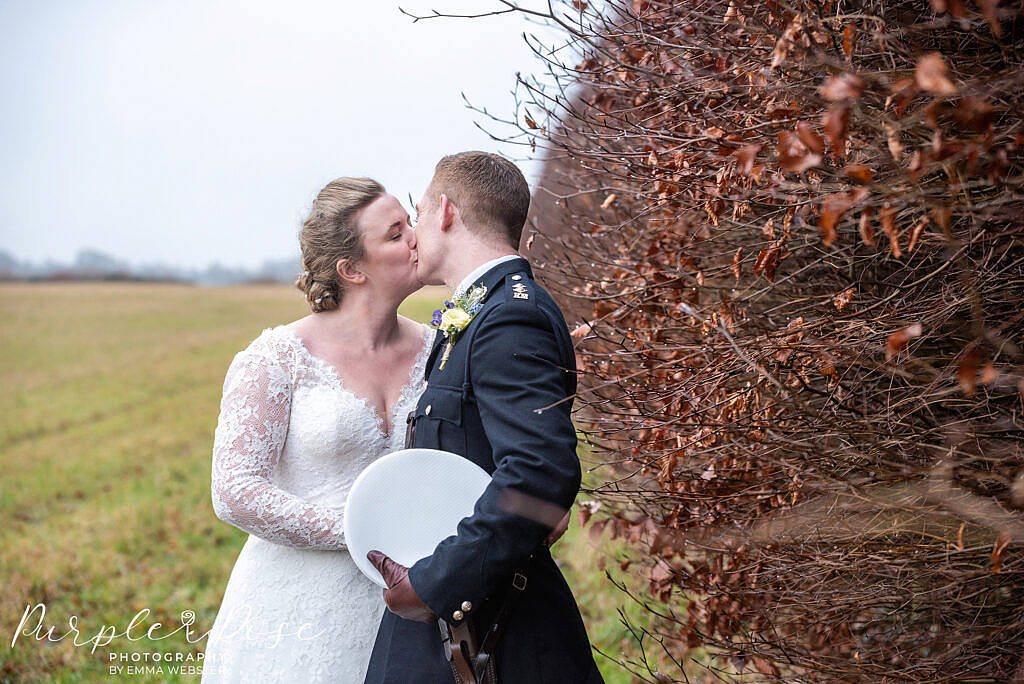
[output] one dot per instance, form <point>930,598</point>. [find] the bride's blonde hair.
<point>331,233</point>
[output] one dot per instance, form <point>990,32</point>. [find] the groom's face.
<point>429,239</point>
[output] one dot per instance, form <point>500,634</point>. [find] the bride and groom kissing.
<point>310,404</point>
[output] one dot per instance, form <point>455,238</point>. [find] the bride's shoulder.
<point>266,364</point>
<point>275,343</point>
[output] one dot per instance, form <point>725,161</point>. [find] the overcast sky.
<point>193,131</point>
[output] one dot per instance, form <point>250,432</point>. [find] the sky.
<point>197,131</point>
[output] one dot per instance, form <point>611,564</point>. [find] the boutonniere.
<point>456,315</point>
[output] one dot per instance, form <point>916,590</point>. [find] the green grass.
<point>112,395</point>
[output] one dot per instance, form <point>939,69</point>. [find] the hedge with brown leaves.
<point>791,235</point>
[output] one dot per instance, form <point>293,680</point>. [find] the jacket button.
<point>467,606</point>
<point>457,615</point>
<point>426,411</point>
<point>517,277</point>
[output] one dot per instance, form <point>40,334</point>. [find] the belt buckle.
<point>519,581</point>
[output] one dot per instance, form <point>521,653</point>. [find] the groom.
<point>499,393</point>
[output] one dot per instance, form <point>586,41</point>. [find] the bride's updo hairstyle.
<point>331,233</point>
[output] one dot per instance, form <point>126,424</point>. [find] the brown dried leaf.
<point>941,216</point>
<point>898,340</point>
<point>903,92</point>
<point>849,39</point>
<point>766,262</point>
<point>826,364</point>
<point>834,206</point>
<point>765,667</point>
<point>746,156</point>
<point>794,155</point>
<point>809,138</point>
<point>967,371</point>
<point>842,87</point>
<point>608,201</point>
<point>893,140</point>
<point>581,330</point>
<point>737,263</point>
<point>584,512</point>
<point>917,162</point>
<point>714,132</point>
<point>843,298</point>
<point>784,42</point>
<point>974,114</point>
<point>887,216</point>
<point>867,232</point>
<point>998,548</point>
<point>989,374</point>
<point>990,10</point>
<point>859,173</point>
<point>931,74</point>
<point>916,231</point>
<point>836,121</point>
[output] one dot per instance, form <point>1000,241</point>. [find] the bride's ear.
<point>348,273</point>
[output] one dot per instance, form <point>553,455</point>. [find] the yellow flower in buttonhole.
<point>455,319</point>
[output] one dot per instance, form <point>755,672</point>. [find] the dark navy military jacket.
<point>513,359</point>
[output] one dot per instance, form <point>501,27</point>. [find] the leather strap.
<point>410,429</point>
<point>472,664</point>
<point>490,640</point>
<point>459,644</point>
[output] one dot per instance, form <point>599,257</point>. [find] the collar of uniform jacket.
<point>478,272</point>
<point>496,274</point>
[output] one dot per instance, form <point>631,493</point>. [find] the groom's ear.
<point>445,211</point>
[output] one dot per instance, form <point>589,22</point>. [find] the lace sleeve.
<point>251,430</point>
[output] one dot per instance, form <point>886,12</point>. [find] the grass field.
<point>110,403</point>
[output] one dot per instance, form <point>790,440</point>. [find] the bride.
<point>306,407</point>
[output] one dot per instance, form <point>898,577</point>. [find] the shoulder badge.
<point>519,291</point>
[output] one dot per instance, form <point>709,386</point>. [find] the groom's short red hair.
<point>489,191</point>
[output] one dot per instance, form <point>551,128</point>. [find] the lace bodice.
<point>291,439</point>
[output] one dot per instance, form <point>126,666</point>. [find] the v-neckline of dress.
<point>333,373</point>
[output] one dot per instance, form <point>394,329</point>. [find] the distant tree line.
<point>91,264</point>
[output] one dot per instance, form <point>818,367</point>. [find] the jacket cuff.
<point>452,610</point>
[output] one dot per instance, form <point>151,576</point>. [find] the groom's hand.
<point>559,530</point>
<point>400,596</point>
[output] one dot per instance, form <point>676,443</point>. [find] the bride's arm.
<point>251,430</point>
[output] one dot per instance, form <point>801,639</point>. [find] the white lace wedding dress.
<point>290,441</point>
